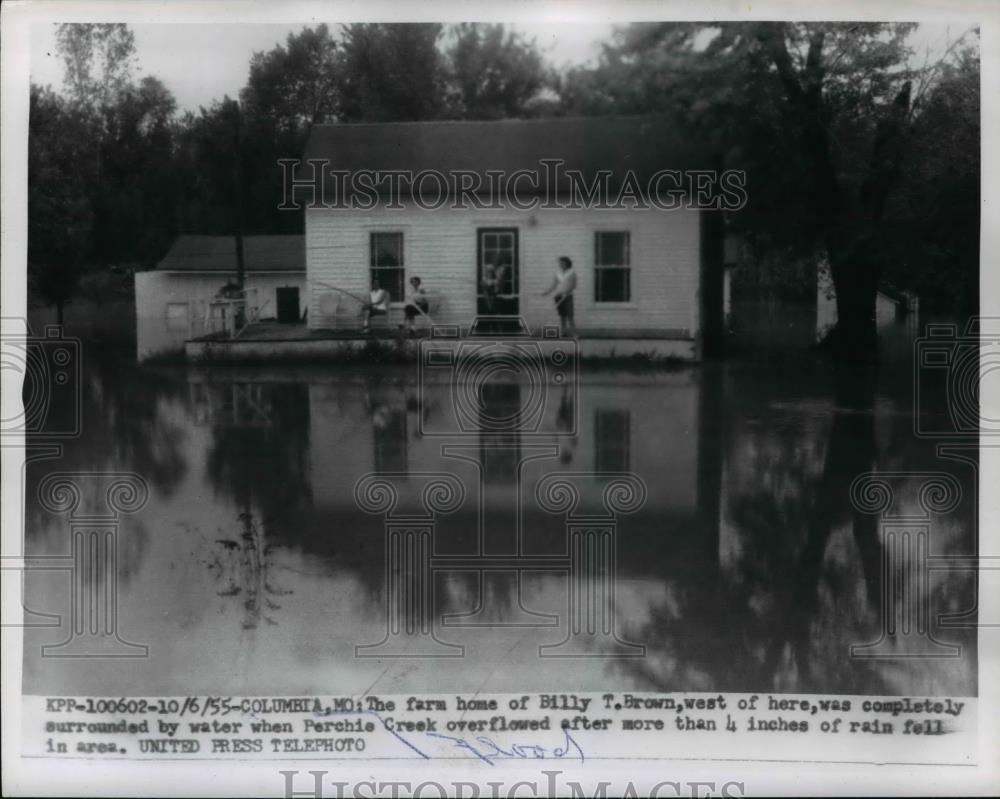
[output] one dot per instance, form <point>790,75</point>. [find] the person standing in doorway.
<point>564,284</point>
<point>490,286</point>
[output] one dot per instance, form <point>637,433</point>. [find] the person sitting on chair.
<point>378,304</point>
<point>416,303</point>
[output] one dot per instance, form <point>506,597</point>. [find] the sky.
<point>203,62</point>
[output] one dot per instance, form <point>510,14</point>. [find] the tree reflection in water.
<point>129,421</point>
<point>748,568</point>
<point>800,579</point>
<point>258,459</point>
<point>245,568</point>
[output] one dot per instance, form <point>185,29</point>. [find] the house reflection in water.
<point>744,568</point>
<point>745,520</point>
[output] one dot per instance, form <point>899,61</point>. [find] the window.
<point>612,267</point>
<point>612,429</point>
<point>387,263</point>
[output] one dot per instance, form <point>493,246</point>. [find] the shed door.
<point>287,298</point>
<point>497,247</point>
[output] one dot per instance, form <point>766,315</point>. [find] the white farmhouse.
<point>646,277</point>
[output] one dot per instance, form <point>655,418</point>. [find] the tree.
<point>135,219</point>
<point>819,115</point>
<point>99,59</point>
<point>60,215</point>
<point>933,229</point>
<point>204,159</point>
<point>392,72</point>
<point>817,91</point>
<point>290,89</point>
<point>100,176</point>
<point>494,73</point>
<point>293,87</point>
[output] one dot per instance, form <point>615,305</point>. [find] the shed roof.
<point>641,144</point>
<point>196,253</point>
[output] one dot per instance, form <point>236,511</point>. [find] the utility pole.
<point>238,183</point>
<point>239,307</point>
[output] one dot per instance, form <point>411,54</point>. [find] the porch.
<point>269,341</point>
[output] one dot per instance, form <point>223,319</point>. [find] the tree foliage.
<point>295,85</point>
<point>494,72</point>
<point>821,116</point>
<point>850,150</point>
<point>99,59</point>
<point>391,72</point>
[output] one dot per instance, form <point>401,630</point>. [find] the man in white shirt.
<point>564,284</point>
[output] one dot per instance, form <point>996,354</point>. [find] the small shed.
<point>192,288</point>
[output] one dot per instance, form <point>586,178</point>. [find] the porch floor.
<point>299,331</point>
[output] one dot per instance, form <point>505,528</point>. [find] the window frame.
<point>372,233</point>
<point>626,268</point>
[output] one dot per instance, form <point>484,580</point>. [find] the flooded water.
<point>660,530</point>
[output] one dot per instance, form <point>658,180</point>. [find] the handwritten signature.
<point>488,750</point>
<point>484,748</point>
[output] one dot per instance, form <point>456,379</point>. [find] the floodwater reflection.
<point>253,569</point>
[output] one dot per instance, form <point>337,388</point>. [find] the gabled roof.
<point>195,253</point>
<point>642,144</point>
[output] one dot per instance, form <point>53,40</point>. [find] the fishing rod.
<point>342,291</point>
<point>363,301</point>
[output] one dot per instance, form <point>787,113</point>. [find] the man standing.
<point>564,284</point>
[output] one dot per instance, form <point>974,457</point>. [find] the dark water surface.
<point>251,569</point>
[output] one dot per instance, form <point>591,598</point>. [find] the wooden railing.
<point>228,315</point>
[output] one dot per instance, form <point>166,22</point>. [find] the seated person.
<point>378,304</point>
<point>416,303</point>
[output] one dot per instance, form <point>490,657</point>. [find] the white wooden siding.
<point>156,291</point>
<point>440,247</point>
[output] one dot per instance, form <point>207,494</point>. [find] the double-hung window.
<point>612,266</point>
<point>386,262</point>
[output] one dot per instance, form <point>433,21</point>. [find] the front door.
<point>287,299</point>
<point>497,248</point>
